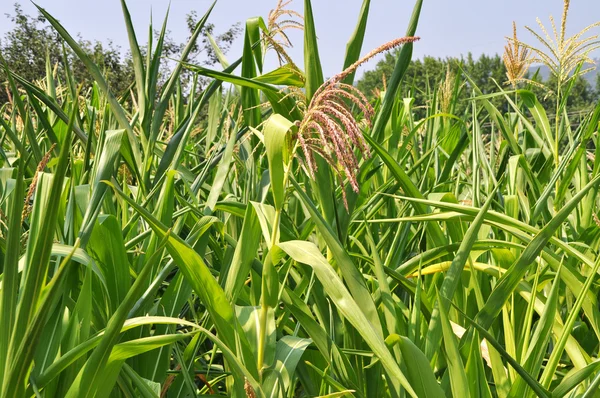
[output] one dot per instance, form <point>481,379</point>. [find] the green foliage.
<point>425,76</point>
<point>149,250</point>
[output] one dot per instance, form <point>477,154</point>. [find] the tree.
<point>423,76</point>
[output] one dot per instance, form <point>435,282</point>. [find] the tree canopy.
<point>429,74</point>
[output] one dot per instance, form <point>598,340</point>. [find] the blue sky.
<point>447,27</point>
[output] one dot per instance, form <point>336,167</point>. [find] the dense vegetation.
<point>424,75</point>
<point>253,233</point>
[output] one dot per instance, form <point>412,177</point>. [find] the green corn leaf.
<point>509,280</point>
<point>77,352</point>
<point>452,280</point>
<point>90,378</point>
<point>44,217</point>
<point>282,76</point>
<point>458,378</point>
<point>419,373</point>
<point>199,276</point>
<point>278,152</point>
<point>539,343</point>
<point>308,253</point>
<point>355,43</point>
<point>10,285</point>
<point>575,379</point>
<point>404,58</point>
<point>352,276</point>
<point>104,169</point>
<point>119,112</point>
<point>288,353</point>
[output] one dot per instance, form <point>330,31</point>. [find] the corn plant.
<point>272,233</point>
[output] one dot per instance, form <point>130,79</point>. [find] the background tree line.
<point>430,73</point>
<point>32,40</point>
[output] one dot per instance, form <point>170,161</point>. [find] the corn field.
<point>275,233</point>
